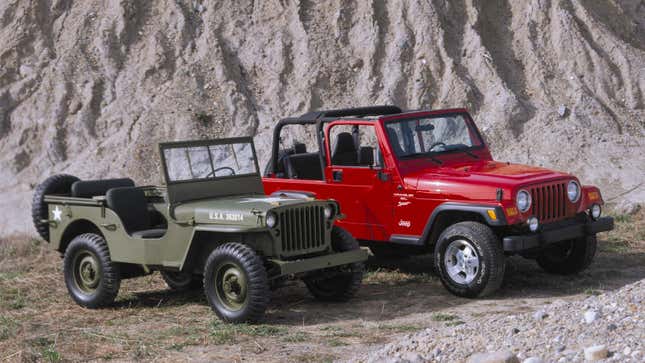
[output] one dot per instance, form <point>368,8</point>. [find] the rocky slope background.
<point>90,87</point>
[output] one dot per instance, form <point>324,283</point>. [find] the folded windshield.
<point>432,135</point>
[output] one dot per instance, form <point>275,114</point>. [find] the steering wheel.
<point>212,173</point>
<point>439,143</point>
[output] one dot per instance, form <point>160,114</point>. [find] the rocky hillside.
<point>89,87</point>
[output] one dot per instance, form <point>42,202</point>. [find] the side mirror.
<point>383,176</point>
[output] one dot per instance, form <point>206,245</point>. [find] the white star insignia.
<point>57,212</point>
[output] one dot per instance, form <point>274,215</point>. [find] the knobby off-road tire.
<point>568,257</point>
<point>341,283</point>
<point>56,184</point>
<point>470,260</point>
<point>91,277</point>
<point>181,281</point>
<point>236,284</point>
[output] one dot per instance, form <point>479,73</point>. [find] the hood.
<point>456,180</point>
<point>238,210</point>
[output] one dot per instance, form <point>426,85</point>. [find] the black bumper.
<point>551,234</point>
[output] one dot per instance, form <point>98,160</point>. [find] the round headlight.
<point>271,220</point>
<point>329,211</point>
<point>573,191</point>
<point>523,200</point>
<point>534,224</point>
<point>595,211</point>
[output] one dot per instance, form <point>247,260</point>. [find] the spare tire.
<point>56,184</point>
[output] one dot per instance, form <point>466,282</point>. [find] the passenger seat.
<point>130,204</point>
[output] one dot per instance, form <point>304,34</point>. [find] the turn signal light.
<point>593,195</point>
<point>511,212</point>
<point>491,214</point>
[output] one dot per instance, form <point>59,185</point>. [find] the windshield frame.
<point>206,143</point>
<point>470,124</point>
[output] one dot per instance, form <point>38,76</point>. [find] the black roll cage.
<point>319,118</point>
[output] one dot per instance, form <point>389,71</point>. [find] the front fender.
<point>481,209</point>
<point>590,195</point>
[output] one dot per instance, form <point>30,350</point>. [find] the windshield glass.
<point>431,135</point>
<point>203,161</point>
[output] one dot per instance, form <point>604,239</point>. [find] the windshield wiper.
<point>414,155</point>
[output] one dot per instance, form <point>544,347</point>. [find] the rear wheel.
<point>91,277</point>
<point>181,281</point>
<point>568,257</point>
<point>338,283</point>
<point>236,283</point>
<point>470,260</point>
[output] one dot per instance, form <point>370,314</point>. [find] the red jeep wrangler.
<point>425,181</point>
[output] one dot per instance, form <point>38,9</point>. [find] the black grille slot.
<point>549,202</point>
<point>303,229</point>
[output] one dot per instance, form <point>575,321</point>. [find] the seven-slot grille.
<point>549,202</point>
<point>303,229</point>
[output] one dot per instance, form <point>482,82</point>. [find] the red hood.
<point>455,179</point>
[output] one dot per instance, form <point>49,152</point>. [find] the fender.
<point>296,194</point>
<point>480,209</point>
<point>464,207</point>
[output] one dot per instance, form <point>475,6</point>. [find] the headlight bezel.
<point>271,220</point>
<point>529,200</point>
<point>578,191</point>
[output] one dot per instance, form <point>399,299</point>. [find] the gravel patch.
<point>608,327</point>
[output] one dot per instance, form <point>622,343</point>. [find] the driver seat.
<point>130,204</point>
<point>345,152</point>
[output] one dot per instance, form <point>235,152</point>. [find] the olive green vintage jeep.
<point>210,226</point>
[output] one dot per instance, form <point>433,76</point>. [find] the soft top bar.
<point>318,117</point>
<point>357,111</point>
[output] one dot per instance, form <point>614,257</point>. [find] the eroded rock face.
<point>90,87</point>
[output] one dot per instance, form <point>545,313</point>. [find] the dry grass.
<point>628,234</point>
<point>39,322</point>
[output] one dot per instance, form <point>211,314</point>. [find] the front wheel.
<point>470,260</point>
<point>91,277</point>
<point>568,257</point>
<point>339,283</point>
<point>236,284</point>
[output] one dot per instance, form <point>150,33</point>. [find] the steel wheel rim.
<point>461,261</point>
<point>87,271</point>
<point>231,286</point>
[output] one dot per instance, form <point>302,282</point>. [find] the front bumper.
<point>320,262</point>
<point>556,233</point>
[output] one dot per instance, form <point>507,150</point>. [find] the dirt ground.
<point>39,322</point>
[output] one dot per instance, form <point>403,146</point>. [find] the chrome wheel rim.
<point>461,261</point>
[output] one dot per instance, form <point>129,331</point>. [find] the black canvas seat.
<point>129,203</point>
<point>93,188</point>
<point>303,166</point>
<point>345,152</point>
